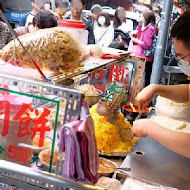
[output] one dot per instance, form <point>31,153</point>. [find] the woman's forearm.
<point>176,141</point>
<point>178,93</point>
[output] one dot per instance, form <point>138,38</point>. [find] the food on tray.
<point>172,124</point>
<point>51,117</point>
<point>88,90</point>
<point>44,156</point>
<point>107,134</point>
<point>47,141</point>
<point>105,166</point>
<point>52,49</point>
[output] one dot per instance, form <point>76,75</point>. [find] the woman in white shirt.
<point>104,34</point>
<point>120,21</point>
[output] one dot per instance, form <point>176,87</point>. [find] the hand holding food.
<point>136,40</point>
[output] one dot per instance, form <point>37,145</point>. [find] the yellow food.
<point>107,134</point>
<point>45,156</point>
<point>47,143</point>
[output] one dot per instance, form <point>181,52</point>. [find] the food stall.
<point>50,139</point>
<point>34,110</point>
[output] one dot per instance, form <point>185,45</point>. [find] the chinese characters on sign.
<point>117,73</point>
<point>24,121</point>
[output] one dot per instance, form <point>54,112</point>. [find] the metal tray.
<point>113,154</point>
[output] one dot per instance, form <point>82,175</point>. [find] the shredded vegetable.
<point>107,134</point>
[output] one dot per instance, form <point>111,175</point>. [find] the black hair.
<point>181,28</point>
<point>1,5</point>
<point>45,19</point>
<point>61,3</point>
<point>117,45</point>
<point>82,1</point>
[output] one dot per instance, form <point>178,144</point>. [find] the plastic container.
<point>76,28</point>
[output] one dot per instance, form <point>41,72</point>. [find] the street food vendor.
<point>178,142</point>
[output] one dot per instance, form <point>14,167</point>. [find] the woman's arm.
<point>176,141</point>
<point>178,93</point>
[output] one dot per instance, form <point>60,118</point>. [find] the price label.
<point>15,152</point>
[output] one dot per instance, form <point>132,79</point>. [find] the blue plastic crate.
<point>13,17</point>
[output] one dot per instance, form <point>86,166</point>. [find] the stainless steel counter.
<point>152,161</point>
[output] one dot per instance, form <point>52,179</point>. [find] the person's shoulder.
<point>67,17</point>
<point>86,21</point>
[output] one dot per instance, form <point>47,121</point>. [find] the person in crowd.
<point>5,34</point>
<point>37,6</point>
<point>95,11</point>
<point>43,19</point>
<point>178,142</point>
<point>61,7</point>
<point>47,5</point>
<point>104,34</point>
<point>76,15</point>
<point>22,20</point>
<point>146,31</point>
<point>120,21</point>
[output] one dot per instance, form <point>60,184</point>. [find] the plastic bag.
<point>131,47</point>
<point>51,49</point>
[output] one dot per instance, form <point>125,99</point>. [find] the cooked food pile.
<point>52,49</point>
<point>45,156</point>
<point>88,90</point>
<point>107,134</point>
<point>47,142</point>
<point>105,166</point>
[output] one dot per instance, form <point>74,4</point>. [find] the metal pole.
<point>162,42</point>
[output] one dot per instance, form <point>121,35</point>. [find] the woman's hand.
<point>140,127</point>
<point>145,96</point>
<point>136,40</point>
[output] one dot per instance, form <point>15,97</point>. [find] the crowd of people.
<point>102,29</point>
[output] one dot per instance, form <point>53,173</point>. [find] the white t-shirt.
<point>127,27</point>
<point>29,19</point>
<point>104,36</point>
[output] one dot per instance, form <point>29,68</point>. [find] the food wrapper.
<point>52,49</point>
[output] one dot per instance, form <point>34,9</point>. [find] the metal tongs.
<point>15,36</point>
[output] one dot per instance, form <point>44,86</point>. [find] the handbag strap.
<point>103,34</point>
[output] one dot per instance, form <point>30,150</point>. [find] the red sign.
<point>27,126</point>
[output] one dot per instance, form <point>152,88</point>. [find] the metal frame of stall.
<point>21,175</point>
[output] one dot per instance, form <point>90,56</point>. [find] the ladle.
<point>117,168</point>
<point>126,133</point>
